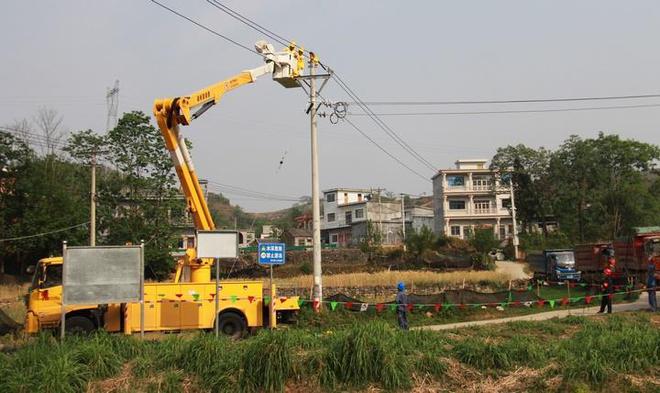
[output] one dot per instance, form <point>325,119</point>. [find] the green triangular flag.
<point>583,285</point>
<point>552,303</point>
<point>420,306</point>
<point>510,297</point>
<point>301,302</point>
<point>530,287</point>
<point>393,307</point>
<point>233,298</point>
<point>333,305</point>
<point>504,304</point>
<point>196,296</point>
<point>266,300</point>
<point>575,299</point>
<point>447,306</point>
<point>476,305</point>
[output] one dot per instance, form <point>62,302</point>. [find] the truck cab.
<point>554,265</point>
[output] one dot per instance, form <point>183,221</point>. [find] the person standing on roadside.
<point>401,306</point>
<point>651,284</point>
<point>607,288</point>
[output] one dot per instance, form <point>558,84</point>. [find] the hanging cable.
<point>513,101</point>
<point>224,37</point>
<point>44,233</point>
<point>595,108</point>
<point>385,151</point>
<point>380,123</point>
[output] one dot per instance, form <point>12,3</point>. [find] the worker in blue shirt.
<point>402,304</point>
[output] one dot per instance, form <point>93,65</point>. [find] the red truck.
<point>632,256</point>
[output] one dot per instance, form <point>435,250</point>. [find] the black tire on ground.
<point>79,325</point>
<point>232,325</point>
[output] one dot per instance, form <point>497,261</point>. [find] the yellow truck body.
<point>167,306</point>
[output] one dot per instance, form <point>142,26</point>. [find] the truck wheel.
<point>79,325</point>
<point>232,325</point>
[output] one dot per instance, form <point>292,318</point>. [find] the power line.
<point>594,108</point>
<point>380,123</point>
<point>44,233</point>
<point>224,37</point>
<point>345,87</point>
<point>250,23</point>
<point>252,193</point>
<point>385,151</point>
<point>513,101</point>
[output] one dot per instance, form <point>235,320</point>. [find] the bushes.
<point>374,353</point>
<point>367,353</point>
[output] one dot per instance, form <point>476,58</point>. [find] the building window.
<point>331,217</point>
<point>349,217</point>
<point>456,205</point>
<point>456,181</point>
<point>455,230</point>
<point>502,232</point>
<point>333,238</point>
<point>481,207</point>
<point>506,203</point>
<point>481,183</point>
<point>330,197</point>
<point>359,213</point>
<point>359,197</point>
<point>345,197</point>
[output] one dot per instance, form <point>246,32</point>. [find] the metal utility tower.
<point>112,102</point>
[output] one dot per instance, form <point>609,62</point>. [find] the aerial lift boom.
<point>170,113</point>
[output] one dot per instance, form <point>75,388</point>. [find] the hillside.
<point>227,215</point>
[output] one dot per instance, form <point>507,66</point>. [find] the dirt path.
<point>515,270</point>
<point>640,304</point>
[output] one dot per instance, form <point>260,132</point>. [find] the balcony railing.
<point>488,188</point>
<point>484,211</point>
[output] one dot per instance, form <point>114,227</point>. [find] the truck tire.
<point>232,325</point>
<point>79,325</point>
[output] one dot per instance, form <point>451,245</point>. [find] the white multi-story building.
<point>346,212</point>
<point>468,197</point>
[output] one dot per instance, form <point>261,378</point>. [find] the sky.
<point>65,54</point>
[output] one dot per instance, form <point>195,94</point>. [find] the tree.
<point>50,124</point>
<point>373,240</point>
<point>604,186</point>
<point>533,190</point>
<point>418,242</point>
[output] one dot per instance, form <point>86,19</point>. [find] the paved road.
<point>640,304</point>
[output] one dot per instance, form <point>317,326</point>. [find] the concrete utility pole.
<point>92,207</point>
<point>403,221</point>
<point>317,296</point>
<point>513,218</point>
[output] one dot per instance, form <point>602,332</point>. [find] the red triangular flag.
<point>564,301</point>
<point>409,307</point>
<point>380,307</point>
<point>516,303</point>
<point>540,302</point>
<point>283,299</point>
<point>250,299</point>
<point>437,307</point>
<point>587,299</point>
<point>348,305</point>
<point>461,306</point>
<point>179,295</point>
<point>212,295</point>
<point>315,305</point>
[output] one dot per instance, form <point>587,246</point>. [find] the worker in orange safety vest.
<point>607,288</point>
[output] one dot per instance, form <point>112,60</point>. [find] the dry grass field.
<point>390,278</point>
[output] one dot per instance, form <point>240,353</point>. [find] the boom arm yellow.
<point>170,113</point>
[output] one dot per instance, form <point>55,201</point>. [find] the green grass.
<point>583,353</point>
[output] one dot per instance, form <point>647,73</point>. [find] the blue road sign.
<point>272,253</point>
